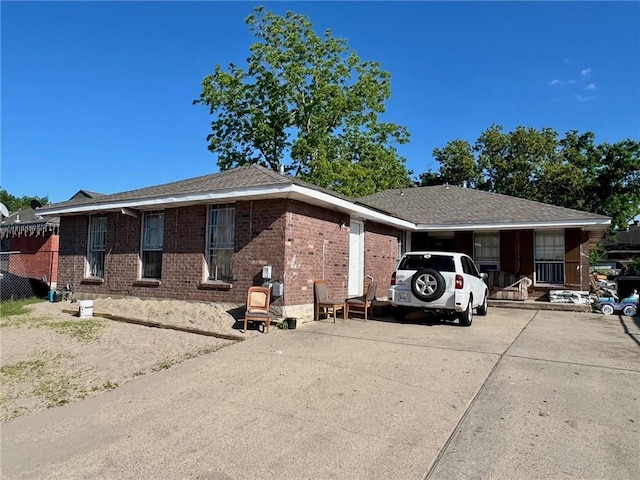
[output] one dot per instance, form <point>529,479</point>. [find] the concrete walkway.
<point>520,394</point>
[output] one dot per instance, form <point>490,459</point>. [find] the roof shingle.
<point>449,205</point>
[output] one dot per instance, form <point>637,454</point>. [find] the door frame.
<point>356,259</point>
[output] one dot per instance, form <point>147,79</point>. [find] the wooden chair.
<point>323,302</point>
<point>258,307</point>
<point>363,302</point>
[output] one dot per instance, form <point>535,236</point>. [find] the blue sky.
<point>98,95</point>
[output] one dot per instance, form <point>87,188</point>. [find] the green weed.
<point>44,373</point>
<point>84,330</point>
<point>164,365</point>
<point>17,307</point>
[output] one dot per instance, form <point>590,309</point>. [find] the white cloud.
<point>591,86</point>
<point>566,61</point>
<point>555,82</point>
<point>586,98</point>
<point>585,72</point>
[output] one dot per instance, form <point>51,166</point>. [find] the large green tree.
<point>572,171</point>
<point>15,204</point>
<point>309,103</point>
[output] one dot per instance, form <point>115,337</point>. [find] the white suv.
<point>444,282</point>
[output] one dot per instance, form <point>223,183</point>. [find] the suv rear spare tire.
<point>427,284</point>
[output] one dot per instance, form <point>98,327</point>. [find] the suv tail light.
<point>393,278</point>
<point>459,282</point>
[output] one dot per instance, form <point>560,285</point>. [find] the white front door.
<point>356,258</point>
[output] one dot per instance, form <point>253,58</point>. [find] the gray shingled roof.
<point>449,205</point>
<point>235,179</point>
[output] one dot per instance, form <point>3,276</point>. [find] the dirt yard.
<point>51,357</point>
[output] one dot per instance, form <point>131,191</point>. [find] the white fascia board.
<point>358,211</point>
<point>592,224</point>
<point>174,200</point>
<point>292,191</point>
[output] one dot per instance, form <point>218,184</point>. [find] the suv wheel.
<point>482,309</point>
<point>427,284</point>
<point>466,317</point>
<point>399,313</point>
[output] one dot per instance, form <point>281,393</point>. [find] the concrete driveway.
<point>520,394</point>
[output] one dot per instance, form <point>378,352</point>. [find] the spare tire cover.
<point>427,284</point>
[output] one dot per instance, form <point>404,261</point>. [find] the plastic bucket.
<point>85,308</point>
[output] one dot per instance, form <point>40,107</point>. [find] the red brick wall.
<point>380,256</point>
<point>259,235</point>
<point>316,248</point>
<point>301,242</point>
<point>73,248</point>
<point>38,256</point>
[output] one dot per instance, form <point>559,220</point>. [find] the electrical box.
<point>266,271</point>
<point>277,289</point>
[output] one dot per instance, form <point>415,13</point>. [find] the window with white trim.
<point>486,251</point>
<point>221,242</point>
<point>152,243</point>
<point>96,246</point>
<point>549,257</point>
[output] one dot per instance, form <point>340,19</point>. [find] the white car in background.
<point>439,282</point>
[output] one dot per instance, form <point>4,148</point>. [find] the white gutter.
<point>602,223</point>
<point>262,192</point>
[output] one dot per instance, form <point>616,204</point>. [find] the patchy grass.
<point>17,307</point>
<point>46,380</point>
<point>164,365</point>
<point>170,362</point>
<point>22,370</point>
<point>84,330</point>
<point>204,351</point>
<point>40,377</point>
<point>108,385</point>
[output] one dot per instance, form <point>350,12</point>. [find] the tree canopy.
<point>572,171</point>
<point>307,102</point>
<point>15,204</point>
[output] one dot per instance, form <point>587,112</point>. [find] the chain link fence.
<point>25,275</point>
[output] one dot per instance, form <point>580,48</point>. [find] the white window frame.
<point>486,250</point>
<point>151,239</point>
<point>96,246</point>
<point>220,241</point>
<point>549,257</point>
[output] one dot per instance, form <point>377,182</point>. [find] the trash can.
<point>625,285</point>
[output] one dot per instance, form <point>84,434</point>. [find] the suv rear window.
<point>441,263</point>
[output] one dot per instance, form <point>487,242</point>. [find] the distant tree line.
<point>15,204</point>
<point>570,171</point>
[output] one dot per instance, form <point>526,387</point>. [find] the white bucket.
<point>86,308</point>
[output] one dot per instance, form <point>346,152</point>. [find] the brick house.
<point>29,245</point>
<point>208,238</point>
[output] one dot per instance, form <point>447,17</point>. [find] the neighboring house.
<point>208,238</point>
<point>29,245</point>
<point>623,245</point>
